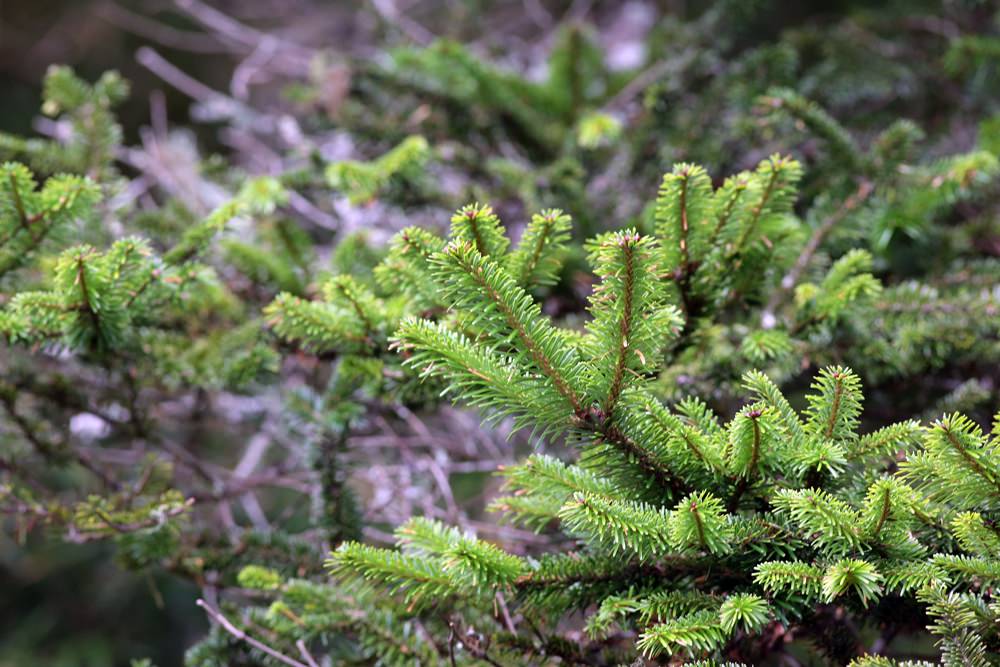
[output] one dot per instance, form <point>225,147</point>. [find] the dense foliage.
<point>743,411</point>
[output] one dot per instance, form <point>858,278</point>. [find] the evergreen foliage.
<point>87,110</point>
<point>747,422</point>
<point>779,511</point>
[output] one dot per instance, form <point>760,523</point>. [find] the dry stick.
<point>287,57</point>
<point>444,486</point>
<point>451,643</point>
<point>219,22</point>
<point>301,645</point>
<point>49,450</point>
<point>310,211</point>
<point>202,93</point>
<point>226,27</point>
<point>508,621</point>
<point>218,617</point>
<point>537,13</point>
<point>137,24</point>
<point>196,90</point>
<point>390,13</point>
<point>648,76</point>
<point>577,11</point>
<point>791,278</point>
<point>161,67</point>
<point>248,70</point>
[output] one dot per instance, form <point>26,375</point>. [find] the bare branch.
<point>219,618</point>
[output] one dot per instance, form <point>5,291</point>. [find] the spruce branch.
<point>619,526</point>
<point>851,574</point>
<point>745,611</point>
<point>818,121</point>
<point>542,248</point>
<point>479,226</point>
<point>692,634</point>
<point>699,521</point>
<point>832,521</point>
<point>684,213</point>
<point>408,266</point>
<point>484,377</point>
<point>728,200</point>
<point>834,408</point>
<point>689,448</point>
<point>630,317</point>
<point>420,580</point>
<point>506,310</point>
<point>794,576</point>
<point>791,279</point>
<point>777,177</point>
<point>615,447</point>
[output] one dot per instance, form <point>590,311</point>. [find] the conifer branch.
<point>518,313</point>
<point>743,484</point>
<point>654,523</point>
<point>541,249</point>
<point>18,202</point>
<point>758,210</point>
<point>624,327</point>
<point>883,514</point>
<point>791,279</point>
<point>960,448</point>
<point>661,476</point>
<point>732,192</point>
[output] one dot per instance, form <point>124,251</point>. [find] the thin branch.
<point>505,612</point>
<point>306,655</point>
<point>74,535</point>
<point>625,324</point>
<point>247,71</point>
<point>137,24</point>
<point>791,279</point>
<point>161,67</point>
<point>390,14</point>
<point>644,79</point>
<point>219,618</point>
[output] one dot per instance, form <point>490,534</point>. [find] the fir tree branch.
<point>625,325</point>
<point>740,188</point>
<point>758,210</point>
<point>886,506</point>
<point>973,463</point>
<point>18,203</point>
<point>86,304</point>
<point>791,279</point>
<point>663,477</point>
<point>543,239</point>
<point>683,240</point>
<point>506,308</point>
<point>838,395</point>
<point>744,482</point>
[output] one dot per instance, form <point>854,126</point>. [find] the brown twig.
<point>791,279</point>
<point>227,625</point>
<point>306,655</point>
<point>137,24</point>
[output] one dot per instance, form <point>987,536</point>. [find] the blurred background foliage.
<point>669,80</point>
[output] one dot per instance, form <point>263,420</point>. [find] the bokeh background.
<point>72,606</point>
